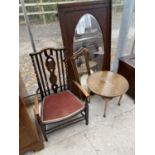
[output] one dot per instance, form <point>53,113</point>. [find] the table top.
<point>107,84</point>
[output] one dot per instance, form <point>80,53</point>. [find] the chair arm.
<point>84,92</point>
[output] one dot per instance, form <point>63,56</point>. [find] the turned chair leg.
<point>119,102</point>
<point>43,128</point>
<point>44,131</point>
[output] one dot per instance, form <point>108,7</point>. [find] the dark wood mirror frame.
<point>69,16</point>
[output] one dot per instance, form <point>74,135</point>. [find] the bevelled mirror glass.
<point>89,35</point>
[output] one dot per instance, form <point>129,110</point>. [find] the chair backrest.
<point>80,63</point>
<point>50,70</point>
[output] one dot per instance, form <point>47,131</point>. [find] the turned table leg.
<point>105,107</point>
<point>120,100</point>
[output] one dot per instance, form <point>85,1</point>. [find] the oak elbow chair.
<point>59,106</point>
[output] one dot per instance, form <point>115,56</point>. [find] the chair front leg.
<point>43,128</point>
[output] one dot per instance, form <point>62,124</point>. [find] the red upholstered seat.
<point>57,107</point>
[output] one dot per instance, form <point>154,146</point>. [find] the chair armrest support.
<point>36,105</point>
<point>84,92</point>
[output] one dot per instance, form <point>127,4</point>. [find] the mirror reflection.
<point>88,34</point>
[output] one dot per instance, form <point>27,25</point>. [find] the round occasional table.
<point>108,85</point>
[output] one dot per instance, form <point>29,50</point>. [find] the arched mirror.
<point>86,24</point>
<point>88,34</point>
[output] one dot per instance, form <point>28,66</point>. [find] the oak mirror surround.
<point>88,34</point>
<point>98,13</point>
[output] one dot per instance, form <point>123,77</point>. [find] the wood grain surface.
<point>107,84</point>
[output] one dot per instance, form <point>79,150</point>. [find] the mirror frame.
<point>69,15</point>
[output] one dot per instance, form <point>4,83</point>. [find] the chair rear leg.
<point>87,114</point>
<point>88,99</point>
